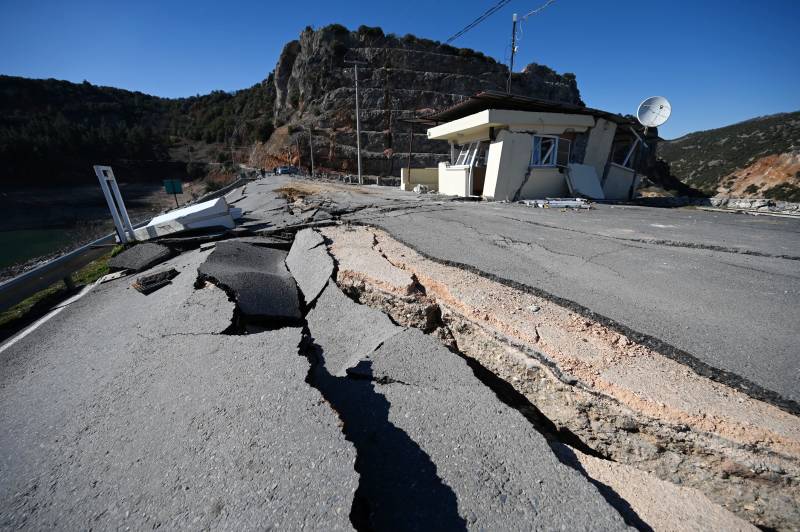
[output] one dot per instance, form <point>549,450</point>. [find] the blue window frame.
<point>549,151</point>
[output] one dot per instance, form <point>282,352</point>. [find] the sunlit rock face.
<point>398,77</point>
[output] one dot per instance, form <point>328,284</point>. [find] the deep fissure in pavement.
<point>402,492</point>
<point>560,439</point>
<point>722,376</point>
<point>598,426</point>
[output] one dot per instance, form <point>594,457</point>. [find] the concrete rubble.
<point>558,203</point>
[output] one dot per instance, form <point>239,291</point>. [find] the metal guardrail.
<point>26,284</point>
<point>39,278</point>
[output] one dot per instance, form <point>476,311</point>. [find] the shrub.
<point>336,28</point>
<point>369,31</point>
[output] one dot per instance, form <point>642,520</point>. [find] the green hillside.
<point>52,131</point>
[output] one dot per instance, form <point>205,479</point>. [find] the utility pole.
<point>358,120</point>
<point>311,148</point>
<point>513,51</point>
<point>410,148</point>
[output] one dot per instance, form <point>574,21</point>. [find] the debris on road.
<point>140,257</point>
<point>112,277</point>
<point>558,203</point>
<point>147,284</point>
<point>256,277</point>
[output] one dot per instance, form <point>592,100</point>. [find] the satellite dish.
<point>654,111</point>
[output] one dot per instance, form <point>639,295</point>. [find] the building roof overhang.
<point>512,102</point>
<point>478,126</point>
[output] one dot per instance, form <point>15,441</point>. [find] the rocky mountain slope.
<point>398,76</point>
<point>758,158</point>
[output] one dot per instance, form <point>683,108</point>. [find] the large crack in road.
<point>734,463</point>
<point>356,383</point>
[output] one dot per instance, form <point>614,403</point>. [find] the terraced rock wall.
<point>398,77</point>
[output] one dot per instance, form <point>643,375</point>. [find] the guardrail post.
<point>109,183</point>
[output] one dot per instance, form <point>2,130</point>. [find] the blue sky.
<point>717,61</point>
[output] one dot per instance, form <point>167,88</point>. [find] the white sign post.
<point>115,204</point>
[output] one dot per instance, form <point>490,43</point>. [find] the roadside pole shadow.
<point>399,488</point>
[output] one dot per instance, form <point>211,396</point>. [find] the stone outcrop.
<point>398,78</point>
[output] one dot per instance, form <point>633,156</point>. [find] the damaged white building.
<point>506,147</point>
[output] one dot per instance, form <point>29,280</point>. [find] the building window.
<point>473,154</point>
<point>550,151</point>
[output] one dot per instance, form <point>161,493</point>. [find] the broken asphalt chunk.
<point>267,241</point>
<point>256,277</point>
<point>140,257</point>
<point>346,330</point>
<point>310,263</point>
<point>150,283</point>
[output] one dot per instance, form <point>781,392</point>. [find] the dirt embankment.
<point>757,179</point>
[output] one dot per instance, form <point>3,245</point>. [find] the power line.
<point>536,11</point>
<point>488,13</point>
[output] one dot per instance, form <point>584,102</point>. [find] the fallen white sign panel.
<point>213,213</point>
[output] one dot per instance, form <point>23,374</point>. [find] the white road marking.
<point>48,316</point>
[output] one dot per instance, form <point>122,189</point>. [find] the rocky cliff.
<point>398,78</point>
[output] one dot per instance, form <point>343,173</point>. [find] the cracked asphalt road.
<point>717,290</point>
<point>137,411</point>
<point>732,311</point>
<point>133,411</point>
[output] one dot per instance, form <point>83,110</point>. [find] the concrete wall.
<point>453,180</point>
<point>618,182</point>
<point>419,176</point>
<point>507,165</point>
<point>545,183</point>
<point>598,147</point>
